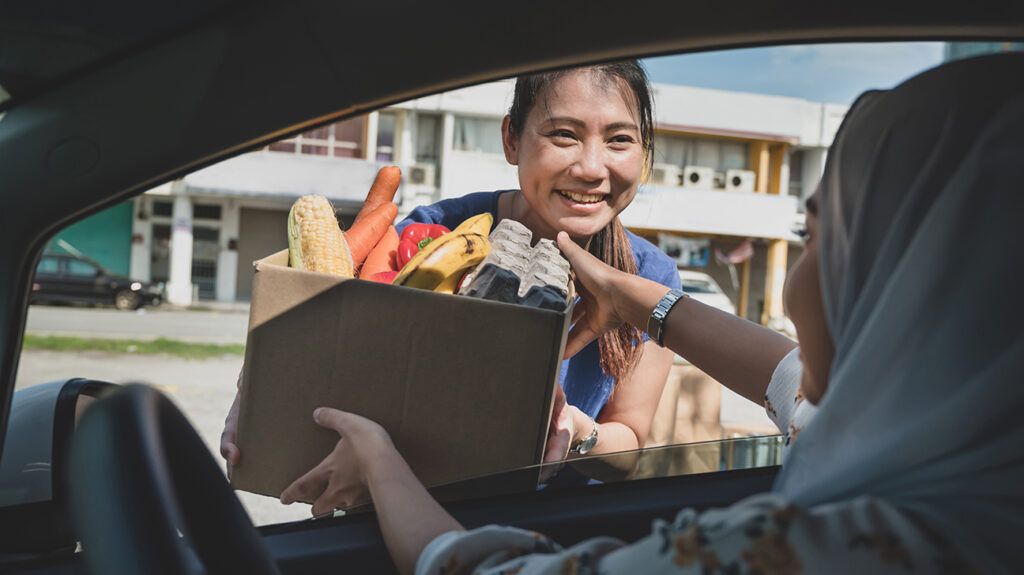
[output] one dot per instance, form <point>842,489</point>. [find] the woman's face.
<point>579,155</point>
<point>802,296</point>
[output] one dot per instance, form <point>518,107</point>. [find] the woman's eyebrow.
<point>812,205</point>
<point>580,123</point>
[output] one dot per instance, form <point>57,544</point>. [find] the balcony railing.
<point>712,212</point>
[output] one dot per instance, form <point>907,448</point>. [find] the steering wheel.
<point>139,475</point>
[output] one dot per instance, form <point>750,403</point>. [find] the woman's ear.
<point>509,142</point>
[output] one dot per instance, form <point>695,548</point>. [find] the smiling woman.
<point>580,140</point>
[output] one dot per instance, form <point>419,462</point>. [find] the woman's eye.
<point>562,134</point>
<point>801,232</point>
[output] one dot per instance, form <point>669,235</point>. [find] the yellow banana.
<point>448,255</point>
<point>478,224</point>
<point>441,264</point>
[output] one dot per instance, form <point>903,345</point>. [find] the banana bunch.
<point>440,265</point>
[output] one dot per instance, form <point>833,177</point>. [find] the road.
<point>202,389</point>
<point>206,326</point>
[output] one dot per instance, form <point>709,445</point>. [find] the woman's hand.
<point>595,313</point>
<point>562,431</point>
<point>340,480</point>
<point>228,450</point>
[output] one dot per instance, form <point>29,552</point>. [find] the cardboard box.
<point>463,385</point>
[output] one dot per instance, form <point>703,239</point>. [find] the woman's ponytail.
<point>620,349</point>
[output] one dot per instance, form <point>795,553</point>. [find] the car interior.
<point>217,79</point>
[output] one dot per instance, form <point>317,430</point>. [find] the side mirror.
<point>33,491</point>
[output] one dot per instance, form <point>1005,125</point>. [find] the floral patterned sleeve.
<point>760,535</point>
<point>783,400</point>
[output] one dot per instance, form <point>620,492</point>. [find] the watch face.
<point>587,444</point>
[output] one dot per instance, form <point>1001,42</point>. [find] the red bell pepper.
<point>414,238</point>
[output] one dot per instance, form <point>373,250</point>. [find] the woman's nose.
<point>590,165</point>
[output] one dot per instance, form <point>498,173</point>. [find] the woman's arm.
<point>734,351</point>
<point>625,421</point>
<point>365,458</point>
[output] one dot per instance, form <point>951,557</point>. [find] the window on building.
<point>341,140</point>
<point>206,211</point>
<point>165,209</point>
<point>796,174</point>
<point>386,122</point>
<point>478,135</point>
<point>684,151</point>
<point>428,138</point>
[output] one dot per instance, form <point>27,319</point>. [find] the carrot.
<point>383,190</point>
<point>382,256</point>
<point>364,234</point>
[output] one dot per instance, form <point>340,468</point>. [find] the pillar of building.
<point>775,280</point>
<point>778,169</point>
<point>760,163</point>
<point>372,121</point>
<point>405,154</point>
<point>227,258</point>
<point>778,249</point>
<point>179,282</point>
<point>142,240</point>
<point>744,303</point>
<point>447,145</point>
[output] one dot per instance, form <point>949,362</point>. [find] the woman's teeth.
<point>582,198</point>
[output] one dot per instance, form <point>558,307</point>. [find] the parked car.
<point>703,288</point>
<point>108,100</point>
<point>71,279</point>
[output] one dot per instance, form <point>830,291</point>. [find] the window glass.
<point>697,286</point>
<point>81,269</point>
<point>478,135</point>
<point>47,265</point>
<point>206,211</point>
<point>162,208</point>
<point>770,113</point>
<point>428,134</point>
<point>385,136</point>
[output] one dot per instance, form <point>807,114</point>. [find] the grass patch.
<point>159,345</point>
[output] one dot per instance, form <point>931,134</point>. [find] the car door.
<point>85,282</point>
<point>209,110</point>
<point>47,284</point>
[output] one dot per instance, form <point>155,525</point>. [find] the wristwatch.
<point>656,323</point>
<point>587,443</point>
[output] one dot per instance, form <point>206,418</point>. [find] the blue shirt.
<point>585,385</point>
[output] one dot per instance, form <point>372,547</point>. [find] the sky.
<point>833,73</point>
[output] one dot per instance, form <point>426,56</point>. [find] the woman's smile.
<point>583,203</point>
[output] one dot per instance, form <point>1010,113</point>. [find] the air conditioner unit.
<point>666,174</point>
<point>740,180</point>
<point>698,177</point>
<point>422,174</point>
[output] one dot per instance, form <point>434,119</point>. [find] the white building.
<point>200,234</point>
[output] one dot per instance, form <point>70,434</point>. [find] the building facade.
<point>730,172</point>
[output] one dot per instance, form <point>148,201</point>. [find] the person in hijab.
<point>912,355</point>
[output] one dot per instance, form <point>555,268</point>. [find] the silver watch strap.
<point>656,323</point>
<point>588,442</point>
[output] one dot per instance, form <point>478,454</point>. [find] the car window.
<point>48,265</point>
<point>78,268</point>
<point>697,286</point>
<point>740,143</point>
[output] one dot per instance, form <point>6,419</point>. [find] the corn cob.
<point>315,240</point>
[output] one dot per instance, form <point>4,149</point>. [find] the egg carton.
<point>517,272</point>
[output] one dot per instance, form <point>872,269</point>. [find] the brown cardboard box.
<point>464,386</point>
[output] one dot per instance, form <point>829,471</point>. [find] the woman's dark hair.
<point>619,349</point>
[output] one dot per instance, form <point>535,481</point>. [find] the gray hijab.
<point>921,212</point>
